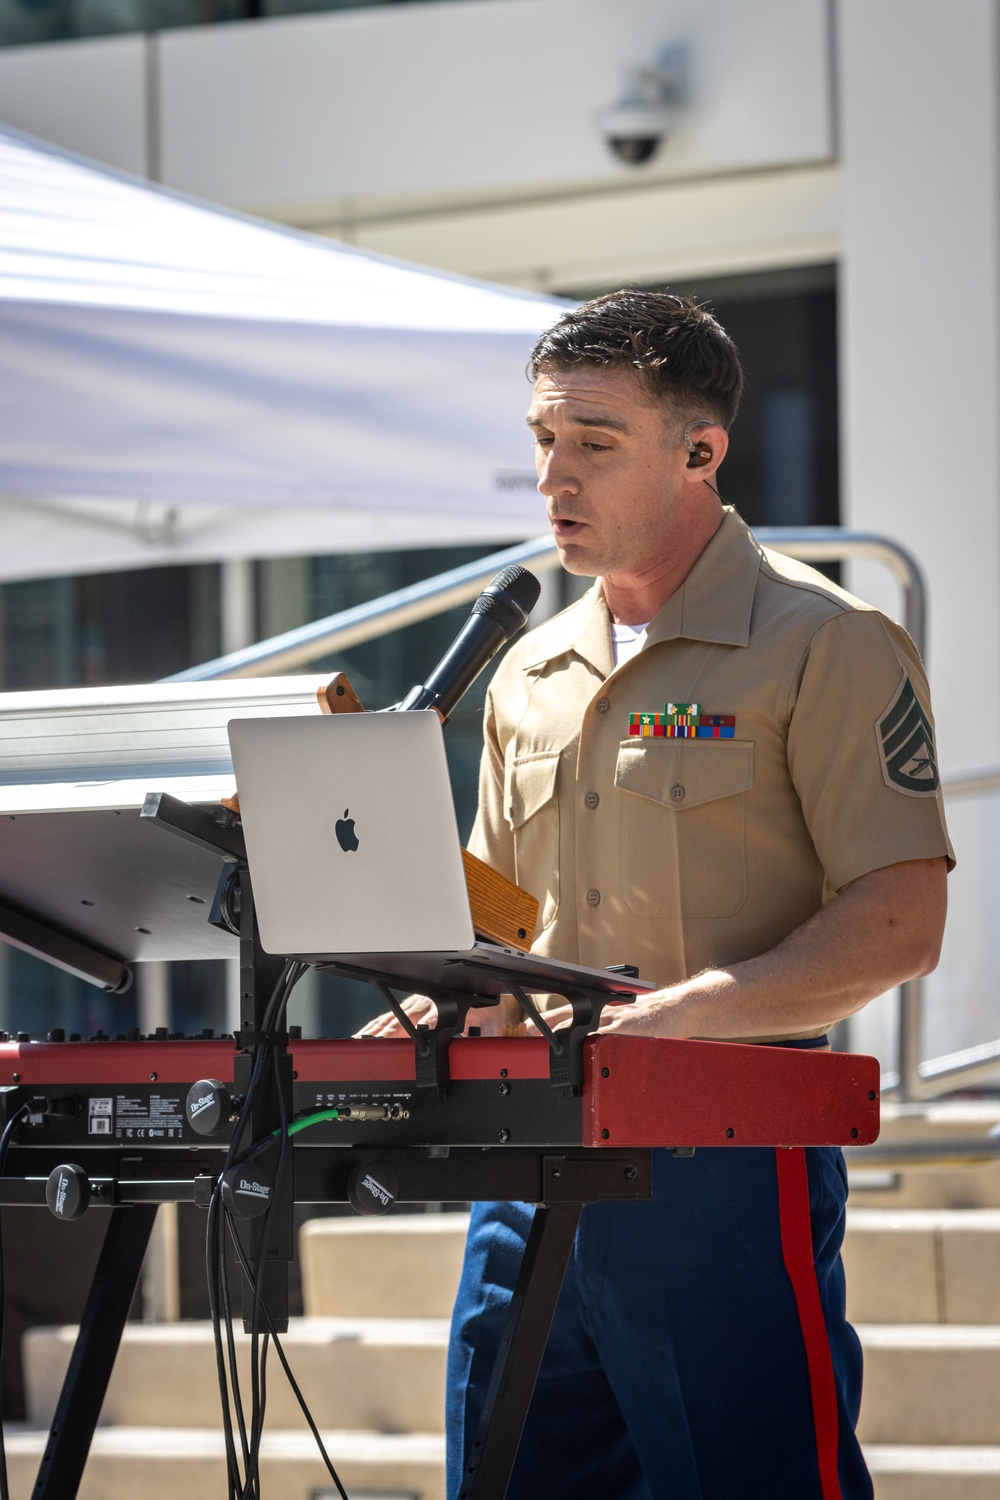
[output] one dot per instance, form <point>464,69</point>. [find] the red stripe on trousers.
<point>797,1252</point>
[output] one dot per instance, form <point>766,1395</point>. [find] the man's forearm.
<point>876,933</point>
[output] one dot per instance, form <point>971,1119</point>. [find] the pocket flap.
<point>684,773</point>
<point>531,782</point>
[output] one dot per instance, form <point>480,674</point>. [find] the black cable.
<point>245,1485</point>
<point>258,1349</point>
<point>216,1300</point>
<point>293,1383</point>
<point>254,1277</point>
<point>5,1140</point>
<point>220,1308</point>
<point>289,976</point>
<point>233,1361</point>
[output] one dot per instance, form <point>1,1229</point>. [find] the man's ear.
<point>706,445</point>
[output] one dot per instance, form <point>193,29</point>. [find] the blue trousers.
<point>699,1351</point>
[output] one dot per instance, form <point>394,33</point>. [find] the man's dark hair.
<point>680,353</point>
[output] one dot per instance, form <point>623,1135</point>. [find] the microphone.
<point>499,613</point>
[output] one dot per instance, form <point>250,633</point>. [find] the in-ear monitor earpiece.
<point>699,454</point>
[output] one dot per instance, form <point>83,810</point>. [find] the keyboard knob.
<point>247,1188</point>
<point>373,1188</point>
<point>68,1192</point>
<point>209,1107</point>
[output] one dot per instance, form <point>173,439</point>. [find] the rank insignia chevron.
<point>906,745</point>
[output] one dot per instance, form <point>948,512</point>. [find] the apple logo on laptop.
<point>344,829</point>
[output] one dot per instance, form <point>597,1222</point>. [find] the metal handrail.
<point>366,622</point>
<point>432,596</point>
<point>833,544</point>
<point>919,1078</point>
<point>970,782</point>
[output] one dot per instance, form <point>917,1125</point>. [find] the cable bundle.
<point>243,1432</point>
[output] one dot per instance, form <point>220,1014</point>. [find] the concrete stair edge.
<point>418,1224</point>
<point>382,1374</point>
<point>161,1463</point>
<point>921,1220</point>
<point>908,1458</point>
<point>163,1442</point>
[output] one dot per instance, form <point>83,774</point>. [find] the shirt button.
<point>594,897</point>
<point>602,705</point>
<point>592,800</point>
<point>677,792</point>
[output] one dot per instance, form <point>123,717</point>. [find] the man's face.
<point>611,464</point>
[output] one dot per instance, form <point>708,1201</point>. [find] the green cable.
<point>316,1119</point>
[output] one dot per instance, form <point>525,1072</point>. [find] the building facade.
<point>823,172</point>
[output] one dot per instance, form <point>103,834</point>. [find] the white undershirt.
<point>627,640</point>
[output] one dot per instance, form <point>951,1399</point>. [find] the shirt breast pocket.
<point>683,826</point>
<point>532,810</point>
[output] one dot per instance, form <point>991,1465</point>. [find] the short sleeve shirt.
<point>811,764</point>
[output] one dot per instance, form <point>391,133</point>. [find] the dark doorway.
<point>783,465</point>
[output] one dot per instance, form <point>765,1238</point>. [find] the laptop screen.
<point>351,834</point>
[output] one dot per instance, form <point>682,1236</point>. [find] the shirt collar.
<point>714,603</point>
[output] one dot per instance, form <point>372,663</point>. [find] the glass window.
<point>782,468</point>
<point>23,22</point>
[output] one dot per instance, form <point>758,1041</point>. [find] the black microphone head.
<point>509,599</point>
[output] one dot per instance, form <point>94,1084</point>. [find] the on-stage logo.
<point>60,1202</point>
<point>377,1191</point>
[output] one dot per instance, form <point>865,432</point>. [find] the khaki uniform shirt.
<point>681,854</point>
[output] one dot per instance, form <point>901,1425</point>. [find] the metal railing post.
<point>911,1015</point>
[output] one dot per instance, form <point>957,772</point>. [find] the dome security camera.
<point>638,123</point>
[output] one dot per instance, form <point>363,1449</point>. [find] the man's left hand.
<point>649,1015</point>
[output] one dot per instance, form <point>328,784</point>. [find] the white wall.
<point>90,96</point>
<point>464,135</point>
<point>920,414</point>
<point>452,98</point>
<point>919,321</point>
<point>301,115</point>
<point>788,216</point>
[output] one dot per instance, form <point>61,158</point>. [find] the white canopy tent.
<point>179,383</point>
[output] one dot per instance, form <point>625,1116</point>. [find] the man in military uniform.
<point>720,767</point>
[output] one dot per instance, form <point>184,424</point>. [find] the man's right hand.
<point>420,1010</point>
<point>490,1018</point>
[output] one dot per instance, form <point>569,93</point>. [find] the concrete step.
<point>922,1473</point>
<point>161,1464</point>
<point>403,1266</point>
<point>374,1375</point>
<point>905,1266</point>
<point>930,1187</point>
<point>923,1265</point>
<point>930,1385</point>
<point>924,1383</point>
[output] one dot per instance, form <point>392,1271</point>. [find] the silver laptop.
<point>351,834</point>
